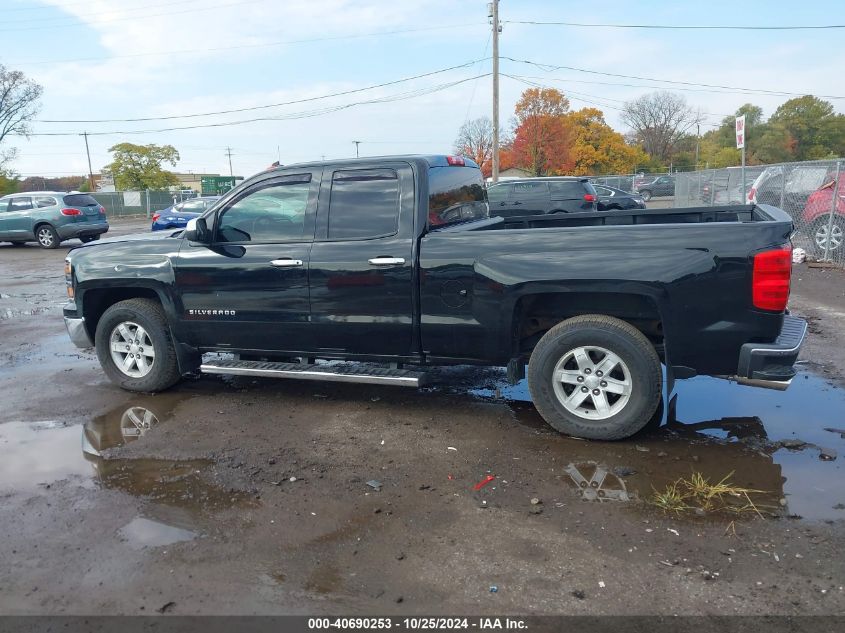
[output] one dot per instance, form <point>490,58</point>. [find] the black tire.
<point>88,238</point>
<point>47,237</point>
<point>621,339</point>
<point>163,369</point>
<point>645,194</point>
<point>818,232</point>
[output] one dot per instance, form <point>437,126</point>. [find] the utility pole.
<point>90,172</point>
<point>697,143</point>
<point>357,143</point>
<point>494,20</point>
<point>229,154</point>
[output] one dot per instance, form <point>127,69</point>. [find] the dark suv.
<point>538,196</point>
<point>660,186</point>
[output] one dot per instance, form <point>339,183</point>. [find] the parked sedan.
<point>50,217</point>
<point>611,198</point>
<point>177,216</point>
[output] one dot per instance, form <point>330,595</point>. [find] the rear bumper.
<point>772,362</point>
<point>68,231</point>
<point>77,332</point>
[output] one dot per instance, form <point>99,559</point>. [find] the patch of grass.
<point>684,495</point>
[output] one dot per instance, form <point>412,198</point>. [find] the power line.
<point>262,107</point>
<point>702,27</point>
<point>297,115</point>
<point>187,51</point>
<point>552,68</point>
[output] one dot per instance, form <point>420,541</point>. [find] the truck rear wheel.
<point>135,348</point>
<point>595,377</point>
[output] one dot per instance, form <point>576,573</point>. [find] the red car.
<point>816,217</point>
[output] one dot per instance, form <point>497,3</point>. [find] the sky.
<point>149,59</point>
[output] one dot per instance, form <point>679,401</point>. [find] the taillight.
<point>771,277</point>
<point>102,210</point>
<point>456,161</point>
<point>588,197</point>
<point>156,216</point>
<point>71,211</point>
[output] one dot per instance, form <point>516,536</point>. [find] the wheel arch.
<point>95,301</point>
<point>535,314</point>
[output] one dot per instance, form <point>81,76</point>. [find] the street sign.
<point>740,132</point>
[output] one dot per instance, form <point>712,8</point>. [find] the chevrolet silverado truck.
<point>394,264</point>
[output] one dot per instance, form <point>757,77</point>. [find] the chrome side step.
<point>303,371</point>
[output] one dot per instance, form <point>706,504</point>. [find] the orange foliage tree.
<point>541,139</point>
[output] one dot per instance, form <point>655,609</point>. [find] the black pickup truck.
<point>395,263</point>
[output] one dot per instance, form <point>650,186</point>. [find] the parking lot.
<point>266,496</point>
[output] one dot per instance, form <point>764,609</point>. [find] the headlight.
<point>69,277</point>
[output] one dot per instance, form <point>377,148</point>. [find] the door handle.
<point>286,263</point>
<point>386,261</point>
<point>517,202</point>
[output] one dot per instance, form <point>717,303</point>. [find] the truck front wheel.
<point>135,348</point>
<point>595,377</point>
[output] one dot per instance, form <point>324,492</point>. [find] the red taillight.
<point>752,195</point>
<point>588,197</point>
<point>456,161</point>
<point>771,277</point>
<point>102,210</point>
<point>71,211</point>
<point>156,216</point>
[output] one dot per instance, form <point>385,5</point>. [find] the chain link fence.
<point>809,192</point>
<point>137,203</point>
<point>626,182</point>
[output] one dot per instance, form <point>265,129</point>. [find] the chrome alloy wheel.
<point>592,383</point>
<point>132,349</point>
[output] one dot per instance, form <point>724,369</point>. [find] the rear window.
<point>80,200</point>
<point>456,194</point>
<point>571,188</point>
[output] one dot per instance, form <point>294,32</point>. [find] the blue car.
<point>177,216</point>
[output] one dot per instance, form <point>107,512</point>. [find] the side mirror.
<point>196,230</point>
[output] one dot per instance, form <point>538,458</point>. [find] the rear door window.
<point>80,200</point>
<point>364,204</point>
<point>20,204</point>
<point>522,190</point>
<point>456,194</point>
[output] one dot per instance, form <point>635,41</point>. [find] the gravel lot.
<point>251,496</point>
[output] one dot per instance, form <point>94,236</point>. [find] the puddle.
<point>719,428</point>
<point>141,532</point>
<point>38,454</point>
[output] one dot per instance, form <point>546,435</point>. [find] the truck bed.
<point>694,215</point>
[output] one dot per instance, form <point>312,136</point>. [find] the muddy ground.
<point>251,496</point>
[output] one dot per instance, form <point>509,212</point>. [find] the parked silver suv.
<point>50,217</point>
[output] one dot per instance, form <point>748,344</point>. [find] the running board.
<point>328,373</point>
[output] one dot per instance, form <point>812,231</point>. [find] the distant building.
<point>207,184</point>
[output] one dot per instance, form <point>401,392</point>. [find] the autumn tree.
<point>19,103</point>
<point>475,140</point>
<point>597,148</point>
<point>660,121</point>
<point>137,167</point>
<point>540,136</point>
<point>810,127</point>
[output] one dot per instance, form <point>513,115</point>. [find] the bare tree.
<point>18,105</point>
<point>475,140</point>
<point>660,120</point>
